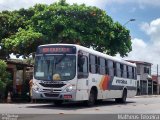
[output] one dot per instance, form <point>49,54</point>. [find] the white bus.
<point>68,72</point>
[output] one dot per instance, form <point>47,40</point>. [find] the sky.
<point>145,30</point>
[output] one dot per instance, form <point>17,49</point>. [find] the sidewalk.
<point>146,96</point>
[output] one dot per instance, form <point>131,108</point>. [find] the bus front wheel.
<point>57,102</point>
<point>92,99</point>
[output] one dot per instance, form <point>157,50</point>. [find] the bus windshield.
<point>46,66</point>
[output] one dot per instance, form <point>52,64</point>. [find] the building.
<point>156,84</point>
<point>145,84</point>
<point>20,74</point>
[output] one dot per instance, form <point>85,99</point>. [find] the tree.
<point>3,77</point>
<point>122,41</point>
<point>23,42</point>
<point>10,22</point>
<point>64,23</point>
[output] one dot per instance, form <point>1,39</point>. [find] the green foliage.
<point>2,85</point>
<point>121,42</point>
<point>3,75</point>
<point>25,29</point>
<point>29,60</point>
<point>23,42</point>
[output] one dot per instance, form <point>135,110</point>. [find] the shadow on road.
<point>76,105</point>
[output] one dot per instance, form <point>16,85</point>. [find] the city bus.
<point>69,72</point>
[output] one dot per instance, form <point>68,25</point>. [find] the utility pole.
<point>157,81</point>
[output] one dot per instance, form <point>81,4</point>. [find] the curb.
<point>146,96</point>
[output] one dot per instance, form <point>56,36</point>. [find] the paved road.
<point>136,105</point>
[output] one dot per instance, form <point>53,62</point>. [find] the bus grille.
<point>52,85</point>
<point>51,95</point>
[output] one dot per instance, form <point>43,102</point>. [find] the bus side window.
<point>97,65</point>
<point>102,69</point>
<point>118,69</point>
<point>92,64</point>
<point>127,71</point>
<point>124,71</point>
<point>82,66</point>
<point>121,69</point>
<point>133,72</point>
<point>106,67</point>
<point>115,68</point>
<point>130,72</point>
<point>110,68</point>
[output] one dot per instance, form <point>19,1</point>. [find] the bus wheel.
<point>58,102</point>
<point>92,99</point>
<point>124,97</point>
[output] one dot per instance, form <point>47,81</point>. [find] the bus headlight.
<point>68,89</point>
<point>36,88</point>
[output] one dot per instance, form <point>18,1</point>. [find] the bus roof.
<point>92,51</point>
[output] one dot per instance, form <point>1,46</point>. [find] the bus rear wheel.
<point>124,97</point>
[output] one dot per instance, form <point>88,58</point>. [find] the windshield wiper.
<point>64,55</point>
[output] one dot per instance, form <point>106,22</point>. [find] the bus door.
<point>82,75</point>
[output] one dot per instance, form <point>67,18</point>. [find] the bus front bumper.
<point>69,96</point>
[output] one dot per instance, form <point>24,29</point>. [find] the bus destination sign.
<point>57,50</point>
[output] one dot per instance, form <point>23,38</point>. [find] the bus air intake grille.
<point>52,85</point>
<point>51,95</point>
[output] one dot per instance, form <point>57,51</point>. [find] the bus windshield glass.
<point>46,66</point>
